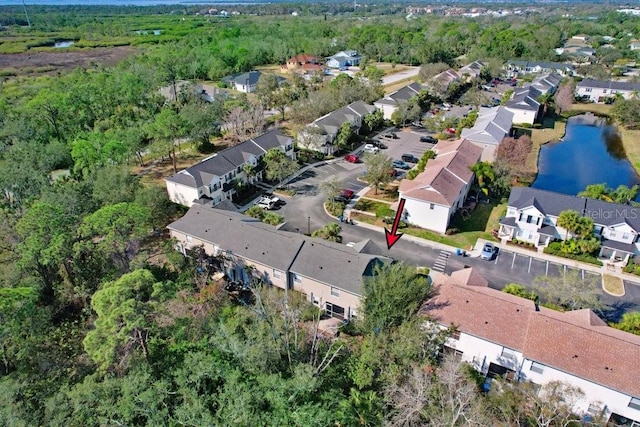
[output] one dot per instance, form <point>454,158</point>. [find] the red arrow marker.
<point>393,236</point>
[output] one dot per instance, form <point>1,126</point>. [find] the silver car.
<point>488,251</point>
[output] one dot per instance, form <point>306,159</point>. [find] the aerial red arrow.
<point>393,236</point>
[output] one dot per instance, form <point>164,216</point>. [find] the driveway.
<point>396,77</point>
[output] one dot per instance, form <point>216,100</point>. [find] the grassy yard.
<point>387,194</point>
<point>553,128</point>
<point>613,285</point>
<point>370,205</point>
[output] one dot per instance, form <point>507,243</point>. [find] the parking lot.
<point>528,267</point>
<point>408,142</point>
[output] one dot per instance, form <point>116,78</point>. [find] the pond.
<point>591,152</point>
<point>63,43</point>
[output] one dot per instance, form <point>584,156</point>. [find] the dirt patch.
<point>29,63</point>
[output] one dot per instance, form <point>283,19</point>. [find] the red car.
<point>351,158</point>
<point>348,194</point>
<point>451,131</point>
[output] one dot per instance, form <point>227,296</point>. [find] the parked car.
<point>275,199</point>
<point>370,148</point>
<point>401,165</point>
<point>429,139</point>
<point>381,145</point>
<point>265,203</point>
<point>340,199</point>
<point>446,106</point>
<point>347,193</point>
<point>389,135</point>
<point>409,158</point>
<point>352,158</point>
<point>451,131</point>
<point>489,250</point>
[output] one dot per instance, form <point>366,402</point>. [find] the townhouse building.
<point>603,91</point>
<point>532,216</point>
<point>320,134</point>
<point>390,103</point>
<point>330,275</point>
<point>512,337</point>
<point>214,179</point>
<point>434,196</point>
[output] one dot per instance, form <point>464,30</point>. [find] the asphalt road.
<point>304,213</point>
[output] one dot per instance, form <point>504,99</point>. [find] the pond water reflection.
<point>591,152</point>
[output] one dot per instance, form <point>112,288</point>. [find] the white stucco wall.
<point>387,109</point>
<point>522,116</point>
<point>181,194</point>
<point>419,213</point>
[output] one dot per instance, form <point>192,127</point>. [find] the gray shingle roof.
<point>542,64</point>
<point>331,263</point>
<point>240,234</point>
<point>331,122</point>
<point>229,159</point>
<point>601,84</point>
<point>251,78</point>
<point>402,95</point>
<point>525,99</point>
<point>548,202</point>
<point>334,264</point>
<point>619,246</point>
<point>491,126</point>
<point>610,214</point>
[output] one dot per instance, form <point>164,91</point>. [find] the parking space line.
<point>529,269</point>
<point>514,260</point>
<point>546,269</point>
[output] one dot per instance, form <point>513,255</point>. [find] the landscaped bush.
<point>411,175</point>
<point>555,248</point>
<point>272,218</point>
<point>335,208</point>
<point>633,266</point>
<point>519,290</point>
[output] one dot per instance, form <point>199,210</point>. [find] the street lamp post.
<point>309,225</point>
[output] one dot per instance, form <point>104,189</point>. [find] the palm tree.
<point>545,99</point>
<point>568,220</point>
<point>485,174</point>
<point>330,232</point>
<point>363,408</point>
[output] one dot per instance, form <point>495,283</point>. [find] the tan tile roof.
<point>577,343</point>
<point>445,176</point>
<point>466,276</point>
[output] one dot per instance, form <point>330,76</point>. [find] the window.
<point>634,403</point>
<point>588,89</point>
<point>276,273</point>
<point>612,232</point>
<point>335,292</point>
<point>594,409</point>
<point>189,239</point>
<point>432,206</point>
<point>314,299</point>
<point>604,91</point>
<point>536,367</point>
<point>625,236</point>
<point>455,335</point>
<point>239,169</point>
<point>508,353</point>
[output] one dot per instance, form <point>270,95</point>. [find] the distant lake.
<point>591,152</point>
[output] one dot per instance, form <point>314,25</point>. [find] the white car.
<point>265,203</point>
<point>370,148</point>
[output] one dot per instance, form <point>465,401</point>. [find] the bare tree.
<point>515,151</point>
<point>565,96</point>
<point>571,290</point>
<point>446,397</point>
